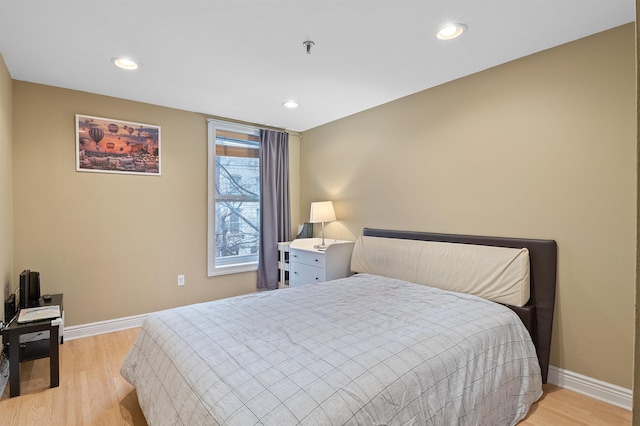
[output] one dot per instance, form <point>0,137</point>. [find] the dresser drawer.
<point>304,274</point>
<point>307,257</point>
<point>309,265</point>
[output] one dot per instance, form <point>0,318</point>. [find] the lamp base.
<point>320,247</point>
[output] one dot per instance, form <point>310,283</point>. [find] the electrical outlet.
<point>180,279</point>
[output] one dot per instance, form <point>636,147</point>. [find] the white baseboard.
<point>102,327</point>
<point>593,388</point>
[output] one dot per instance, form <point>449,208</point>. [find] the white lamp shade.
<point>322,211</point>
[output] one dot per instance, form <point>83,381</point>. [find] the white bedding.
<point>363,350</point>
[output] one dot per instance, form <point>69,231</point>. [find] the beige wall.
<point>636,364</point>
<point>113,244</point>
<point>541,147</point>
<point>6,190</point>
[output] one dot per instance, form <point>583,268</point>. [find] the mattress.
<point>362,350</point>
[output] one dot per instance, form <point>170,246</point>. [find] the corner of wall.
<point>6,181</point>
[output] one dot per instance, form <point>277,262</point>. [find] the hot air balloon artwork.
<point>114,146</point>
<point>96,134</point>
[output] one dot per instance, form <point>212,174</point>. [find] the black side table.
<point>36,349</point>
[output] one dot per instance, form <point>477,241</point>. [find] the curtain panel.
<point>275,211</point>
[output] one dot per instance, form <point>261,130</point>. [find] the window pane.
<point>237,229</point>
<point>238,176</point>
<point>233,232</point>
<point>237,207</point>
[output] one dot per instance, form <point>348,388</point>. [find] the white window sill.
<point>233,269</point>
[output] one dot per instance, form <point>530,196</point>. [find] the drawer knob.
<point>316,260</point>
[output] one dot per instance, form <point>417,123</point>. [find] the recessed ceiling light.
<point>291,104</point>
<point>124,63</point>
<point>451,31</point>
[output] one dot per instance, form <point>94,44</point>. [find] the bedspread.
<point>363,350</point>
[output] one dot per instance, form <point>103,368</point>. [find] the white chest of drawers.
<point>309,265</point>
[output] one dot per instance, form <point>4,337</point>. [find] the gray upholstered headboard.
<point>537,314</point>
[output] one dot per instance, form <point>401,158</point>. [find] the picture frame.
<point>106,145</point>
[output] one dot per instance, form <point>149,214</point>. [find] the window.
<point>234,198</point>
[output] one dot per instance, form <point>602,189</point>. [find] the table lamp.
<point>321,212</point>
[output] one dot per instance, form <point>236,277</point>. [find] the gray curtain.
<point>275,217</point>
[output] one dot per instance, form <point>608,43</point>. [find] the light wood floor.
<point>91,392</point>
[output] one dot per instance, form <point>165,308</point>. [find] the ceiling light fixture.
<point>124,63</point>
<point>308,45</point>
<point>290,104</point>
<point>451,31</point>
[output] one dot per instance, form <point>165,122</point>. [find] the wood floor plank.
<point>563,407</point>
<point>91,390</point>
<point>93,393</point>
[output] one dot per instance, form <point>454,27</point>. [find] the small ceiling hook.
<point>308,44</point>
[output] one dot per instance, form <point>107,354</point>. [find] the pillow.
<point>494,273</point>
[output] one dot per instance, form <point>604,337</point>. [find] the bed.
<point>364,350</point>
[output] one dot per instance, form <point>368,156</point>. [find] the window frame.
<point>224,268</point>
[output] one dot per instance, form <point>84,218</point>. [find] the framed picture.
<point>105,145</point>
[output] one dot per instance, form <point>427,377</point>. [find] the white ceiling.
<point>241,59</point>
